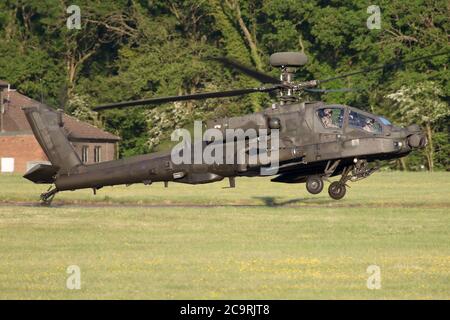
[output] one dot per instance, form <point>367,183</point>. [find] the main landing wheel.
<point>337,190</point>
<point>314,184</point>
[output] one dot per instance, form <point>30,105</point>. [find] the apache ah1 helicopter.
<point>316,140</point>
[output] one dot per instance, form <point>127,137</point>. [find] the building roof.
<point>14,119</point>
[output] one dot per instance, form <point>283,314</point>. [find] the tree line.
<point>134,49</point>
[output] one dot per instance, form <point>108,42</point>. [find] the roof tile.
<point>15,120</point>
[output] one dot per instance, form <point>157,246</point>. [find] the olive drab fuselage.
<point>306,148</point>
<point>312,141</point>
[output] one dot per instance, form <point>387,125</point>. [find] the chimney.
<point>3,86</point>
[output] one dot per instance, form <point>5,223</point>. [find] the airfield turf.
<point>260,240</point>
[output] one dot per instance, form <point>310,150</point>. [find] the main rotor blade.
<point>395,63</point>
<point>258,75</point>
<point>197,96</point>
<point>331,90</point>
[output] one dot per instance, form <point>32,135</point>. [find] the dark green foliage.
<point>134,49</point>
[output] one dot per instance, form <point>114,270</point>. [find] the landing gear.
<point>47,197</point>
<point>337,190</point>
<point>358,171</point>
<point>352,172</point>
<point>314,184</point>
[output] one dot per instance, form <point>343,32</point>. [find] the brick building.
<point>19,150</point>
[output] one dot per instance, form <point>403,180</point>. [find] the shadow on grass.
<point>272,201</point>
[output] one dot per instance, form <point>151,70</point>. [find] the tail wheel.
<point>314,184</point>
<point>337,190</point>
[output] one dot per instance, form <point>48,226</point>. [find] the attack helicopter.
<point>315,140</point>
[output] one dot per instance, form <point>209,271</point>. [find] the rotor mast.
<point>287,92</point>
<point>288,62</point>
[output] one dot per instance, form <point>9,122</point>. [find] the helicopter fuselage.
<point>307,146</point>
<point>310,141</point>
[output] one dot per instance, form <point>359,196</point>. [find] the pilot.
<point>370,125</point>
<point>327,119</point>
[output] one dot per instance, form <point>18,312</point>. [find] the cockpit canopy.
<point>360,121</point>
<point>331,117</point>
<point>334,117</point>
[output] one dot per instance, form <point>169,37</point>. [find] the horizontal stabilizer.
<point>42,174</point>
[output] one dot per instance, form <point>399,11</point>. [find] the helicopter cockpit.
<point>331,117</point>
<point>363,122</point>
<point>334,117</point>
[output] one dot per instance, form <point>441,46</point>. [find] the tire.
<point>314,184</point>
<point>336,190</point>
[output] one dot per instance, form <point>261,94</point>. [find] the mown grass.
<point>281,244</point>
<point>381,189</point>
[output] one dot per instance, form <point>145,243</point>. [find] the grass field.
<point>258,241</point>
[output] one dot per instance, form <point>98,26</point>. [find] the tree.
<point>78,106</point>
<point>134,49</point>
<point>422,104</point>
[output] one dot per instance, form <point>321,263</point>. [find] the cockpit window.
<point>331,117</point>
<point>385,121</point>
<point>365,123</point>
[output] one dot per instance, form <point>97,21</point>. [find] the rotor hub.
<point>288,62</point>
